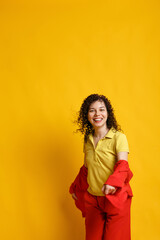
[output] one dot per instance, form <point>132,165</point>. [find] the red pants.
<point>103,221</point>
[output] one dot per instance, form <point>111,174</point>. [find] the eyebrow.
<point>99,107</point>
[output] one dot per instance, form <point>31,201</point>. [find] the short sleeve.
<point>122,143</point>
<point>83,147</point>
<point>84,151</point>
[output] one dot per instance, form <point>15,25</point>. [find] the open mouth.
<point>98,120</point>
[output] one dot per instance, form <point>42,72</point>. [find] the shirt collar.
<point>110,134</point>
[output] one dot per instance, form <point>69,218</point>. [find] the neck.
<point>100,132</point>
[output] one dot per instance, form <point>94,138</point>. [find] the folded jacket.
<point>119,179</point>
<point>79,187</point>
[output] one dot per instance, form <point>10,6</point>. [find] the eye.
<point>102,109</point>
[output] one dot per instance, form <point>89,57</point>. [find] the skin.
<point>97,110</point>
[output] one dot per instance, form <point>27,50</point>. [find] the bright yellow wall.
<point>53,55</point>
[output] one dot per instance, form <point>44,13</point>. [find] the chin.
<point>98,125</point>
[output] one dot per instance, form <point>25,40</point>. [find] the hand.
<point>107,189</point>
<point>74,196</point>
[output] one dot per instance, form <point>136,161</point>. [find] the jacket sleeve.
<point>120,179</point>
<point>121,175</point>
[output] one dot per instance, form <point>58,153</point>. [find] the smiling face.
<point>97,114</point>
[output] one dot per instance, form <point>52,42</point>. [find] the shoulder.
<point>119,134</point>
<point>121,142</point>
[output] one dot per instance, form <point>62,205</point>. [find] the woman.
<point>102,184</point>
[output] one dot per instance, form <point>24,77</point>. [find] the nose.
<point>96,113</point>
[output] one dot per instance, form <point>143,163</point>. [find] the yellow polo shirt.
<point>100,161</point>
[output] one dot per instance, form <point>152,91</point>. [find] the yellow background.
<point>53,55</point>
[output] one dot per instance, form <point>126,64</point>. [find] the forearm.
<point>121,175</point>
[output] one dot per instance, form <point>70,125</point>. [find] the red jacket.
<point>119,179</point>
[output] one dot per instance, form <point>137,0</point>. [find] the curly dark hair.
<point>85,126</point>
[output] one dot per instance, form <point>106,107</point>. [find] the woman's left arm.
<point>122,156</point>
<point>108,189</point>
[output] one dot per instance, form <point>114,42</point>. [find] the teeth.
<point>97,119</point>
